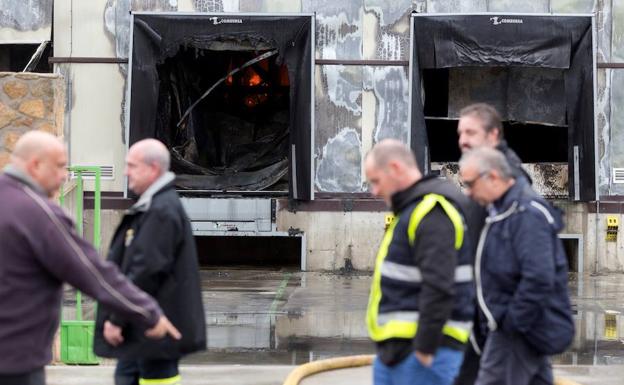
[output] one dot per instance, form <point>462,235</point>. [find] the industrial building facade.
<point>296,92</point>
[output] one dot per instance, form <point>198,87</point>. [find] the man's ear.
<point>494,135</point>
<point>394,167</point>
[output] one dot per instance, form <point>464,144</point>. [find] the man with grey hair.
<point>39,250</point>
<point>155,248</point>
<point>421,300</point>
<point>480,125</point>
<point>520,272</point>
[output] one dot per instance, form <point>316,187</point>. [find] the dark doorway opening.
<point>539,73</point>
<point>15,57</point>
<point>533,142</point>
<point>571,247</point>
<point>237,137</point>
<point>249,251</point>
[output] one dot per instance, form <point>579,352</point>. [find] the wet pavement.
<point>281,317</point>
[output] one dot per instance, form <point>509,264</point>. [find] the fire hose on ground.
<point>315,367</point>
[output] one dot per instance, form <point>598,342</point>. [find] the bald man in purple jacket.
<point>39,250</point>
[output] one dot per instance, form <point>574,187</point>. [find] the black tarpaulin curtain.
<point>563,42</point>
<point>158,37</point>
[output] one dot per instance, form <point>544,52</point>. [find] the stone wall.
<point>29,101</point>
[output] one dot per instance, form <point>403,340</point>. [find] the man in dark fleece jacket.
<point>480,125</point>
<point>520,273</point>
<point>421,301</point>
<point>39,250</point>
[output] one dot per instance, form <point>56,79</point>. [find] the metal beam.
<point>87,60</point>
<point>395,63</point>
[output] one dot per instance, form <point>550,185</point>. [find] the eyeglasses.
<point>470,183</point>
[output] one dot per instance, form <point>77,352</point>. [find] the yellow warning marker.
<point>388,219</point>
<point>613,224</point>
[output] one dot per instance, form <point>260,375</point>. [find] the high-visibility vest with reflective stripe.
<point>404,323</point>
<point>175,380</point>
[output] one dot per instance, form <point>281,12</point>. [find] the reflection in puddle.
<point>286,317</point>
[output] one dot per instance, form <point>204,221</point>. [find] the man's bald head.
<point>153,152</point>
<point>392,150</point>
<point>147,161</point>
<point>390,167</point>
<point>36,144</point>
<point>43,158</point>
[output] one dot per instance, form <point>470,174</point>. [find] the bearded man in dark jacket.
<point>480,125</point>
<point>155,249</point>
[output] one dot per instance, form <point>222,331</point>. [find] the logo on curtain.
<point>217,21</point>
<point>496,20</point>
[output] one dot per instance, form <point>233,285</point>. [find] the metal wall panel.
<point>618,31</point>
<point>572,6</point>
<point>340,162</point>
<point>617,125</point>
<point>390,86</point>
<point>386,29</point>
<point>532,6</point>
<point>270,5</point>
<point>603,112</point>
<point>25,21</point>
<point>338,28</point>
<point>604,27</point>
<point>216,5</point>
<point>338,128</point>
<point>456,6</point>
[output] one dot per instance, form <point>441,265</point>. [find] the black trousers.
<point>470,367</point>
<point>36,377</point>
<point>130,372</point>
<point>508,360</point>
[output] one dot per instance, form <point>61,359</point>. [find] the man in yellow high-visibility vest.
<point>421,301</point>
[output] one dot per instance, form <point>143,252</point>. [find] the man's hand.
<point>112,333</point>
<point>425,359</point>
<point>162,328</point>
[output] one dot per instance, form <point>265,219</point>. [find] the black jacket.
<point>154,247</point>
<point>524,271</point>
<point>439,298</point>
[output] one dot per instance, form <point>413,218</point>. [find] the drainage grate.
<point>618,175</point>
<point>108,173</point>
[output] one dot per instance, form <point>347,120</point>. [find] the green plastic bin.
<point>77,335</point>
<point>77,342</point>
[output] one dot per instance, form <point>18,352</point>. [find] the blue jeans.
<point>410,371</point>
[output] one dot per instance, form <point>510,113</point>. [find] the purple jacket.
<point>39,250</point>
